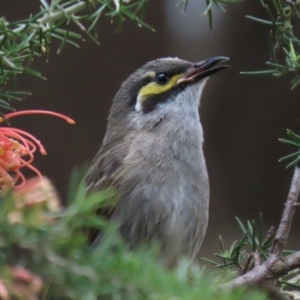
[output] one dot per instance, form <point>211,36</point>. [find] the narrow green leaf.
<point>289,156</point>
<point>260,233</point>
<point>69,33</point>
<point>285,141</point>
<point>230,1</point>
<point>222,250</point>
<point>221,243</point>
<point>253,237</point>
<point>275,65</point>
<point>34,73</point>
<point>295,83</point>
<point>96,16</point>
<point>217,3</point>
<point>97,200</point>
<point>185,5</point>
<point>94,39</point>
<point>268,11</point>
<point>264,72</point>
<point>9,63</point>
<point>292,51</point>
<point>293,135</point>
<point>293,285</point>
<point>65,40</point>
<point>209,261</point>
<point>45,4</point>
<point>208,11</point>
<point>241,225</point>
<point>264,22</point>
<point>294,162</point>
<point>77,176</point>
<point>278,5</point>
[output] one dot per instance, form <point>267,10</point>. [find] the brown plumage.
<point>152,155</point>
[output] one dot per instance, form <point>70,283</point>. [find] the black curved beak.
<point>203,69</point>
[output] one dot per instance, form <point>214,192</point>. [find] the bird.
<point>152,156</point>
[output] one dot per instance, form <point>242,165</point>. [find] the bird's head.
<point>162,80</point>
<point>157,89</point>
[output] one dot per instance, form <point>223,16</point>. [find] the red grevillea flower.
<point>17,148</point>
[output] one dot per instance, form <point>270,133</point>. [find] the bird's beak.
<point>203,69</point>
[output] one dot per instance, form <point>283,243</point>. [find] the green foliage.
<point>22,41</point>
<point>238,253</point>
<point>293,141</point>
<point>54,246</point>
<point>218,4</point>
<point>281,18</point>
<point>210,5</point>
<point>241,255</point>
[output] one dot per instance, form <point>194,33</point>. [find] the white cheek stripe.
<point>138,105</point>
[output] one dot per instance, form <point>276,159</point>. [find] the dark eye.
<point>161,78</point>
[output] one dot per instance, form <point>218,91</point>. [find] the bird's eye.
<point>161,78</point>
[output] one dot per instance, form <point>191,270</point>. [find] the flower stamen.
<point>36,111</point>
<point>15,144</point>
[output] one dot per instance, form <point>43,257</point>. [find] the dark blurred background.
<point>243,116</point>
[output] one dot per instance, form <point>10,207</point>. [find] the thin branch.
<point>275,266</point>
<point>287,216</point>
<point>51,17</point>
<point>253,259</point>
<point>293,260</point>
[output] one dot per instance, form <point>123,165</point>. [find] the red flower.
<point>20,283</point>
<point>17,149</point>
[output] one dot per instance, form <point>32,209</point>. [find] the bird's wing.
<point>102,170</point>
<point>101,175</point>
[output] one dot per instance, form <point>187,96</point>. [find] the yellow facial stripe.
<point>155,89</point>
